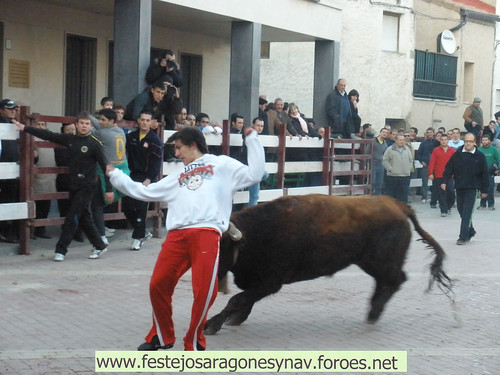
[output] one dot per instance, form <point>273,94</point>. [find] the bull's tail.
<point>437,273</point>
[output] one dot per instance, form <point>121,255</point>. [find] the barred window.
<point>435,76</point>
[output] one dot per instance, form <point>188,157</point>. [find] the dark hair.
<point>257,119</point>
<point>64,124</point>
<point>108,113</point>
<point>145,112</point>
<point>119,106</point>
<point>366,126</point>
<point>106,99</point>
<point>201,115</point>
<point>353,93</point>
<point>189,136</point>
<point>158,85</point>
<point>235,116</point>
<point>414,129</point>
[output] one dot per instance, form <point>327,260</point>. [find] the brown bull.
<point>298,238</point>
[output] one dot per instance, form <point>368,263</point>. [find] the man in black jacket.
<point>469,168</point>
<point>86,153</point>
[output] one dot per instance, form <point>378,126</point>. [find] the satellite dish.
<point>448,42</point>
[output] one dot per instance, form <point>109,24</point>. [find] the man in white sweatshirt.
<point>199,198</point>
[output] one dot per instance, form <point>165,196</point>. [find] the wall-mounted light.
<point>8,43</point>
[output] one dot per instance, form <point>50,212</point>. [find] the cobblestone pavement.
<point>55,315</point>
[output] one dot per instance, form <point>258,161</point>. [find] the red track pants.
<point>198,249</point>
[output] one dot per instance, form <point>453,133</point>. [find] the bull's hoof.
<point>212,326</point>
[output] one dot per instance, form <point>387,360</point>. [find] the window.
<point>435,76</point>
<point>390,32</point>
<point>468,82</point>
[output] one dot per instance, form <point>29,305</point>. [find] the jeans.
<point>465,205</point>
<point>397,187</point>
<point>377,179</point>
<point>491,193</point>
<point>446,197</point>
<point>254,191</point>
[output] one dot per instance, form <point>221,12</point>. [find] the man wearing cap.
<point>9,189</point>
<point>473,117</point>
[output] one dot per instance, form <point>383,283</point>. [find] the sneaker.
<point>136,244</point>
<point>108,232</point>
<point>424,200</point>
<point>433,206</point>
<point>481,207</point>
<point>96,253</point>
<point>492,208</point>
<point>461,242</point>
<point>444,214</point>
<point>105,240</point>
<point>153,345</point>
<point>58,257</point>
<point>148,236</point>
<point>449,212</point>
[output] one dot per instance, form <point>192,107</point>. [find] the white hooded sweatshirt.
<point>201,193</point>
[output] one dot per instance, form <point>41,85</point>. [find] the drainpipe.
<point>463,21</point>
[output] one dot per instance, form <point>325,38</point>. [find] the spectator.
<point>199,197</point>
<point>43,183</point>
<point>63,158</point>
<point>9,189</point>
<point>263,115</point>
<point>424,157</point>
<point>398,162</point>
<point>145,156</point>
<point>367,132</point>
<point>147,101</point>
<point>181,119</point>
<point>470,171</point>
<point>492,131</point>
<point>493,161</point>
<point>113,142</point>
<point>107,102</point>
<point>455,141</point>
<point>171,102</point>
<point>391,139</point>
<point>297,126</point>
<point>413,134</point>
<point>203,123</point>
<point>86,153</point>
<point>379,148</point>
<point>409,144</point>
<point>164,65</point>
<point>191,119</point>
<point>254,190</point>
<point>277,117</point>
<point>439,157</point>
<point>473,117</point>
<point>237,123</point>
<point>353,97</point>
<point>441,130</point>
<point>338,111</point>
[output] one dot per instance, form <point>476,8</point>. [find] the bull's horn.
<point>234,232</point>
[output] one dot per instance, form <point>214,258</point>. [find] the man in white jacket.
<point>199,198</point>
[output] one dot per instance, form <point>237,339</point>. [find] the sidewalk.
<point>54,316</point>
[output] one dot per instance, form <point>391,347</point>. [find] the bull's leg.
<point>238,308</point>
<point>383,292</point>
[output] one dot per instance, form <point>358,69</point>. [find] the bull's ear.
<point>234,232</point>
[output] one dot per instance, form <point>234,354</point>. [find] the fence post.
<point>25,182</point>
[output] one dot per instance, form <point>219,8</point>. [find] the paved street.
<point>55,315</point>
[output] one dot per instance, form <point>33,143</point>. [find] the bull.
<point>298,238</point>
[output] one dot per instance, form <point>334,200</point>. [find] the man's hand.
<point>484,195</point>
<point>247,131</point>
<point>110,196</point>
<point>146,182</point>
<point>431,177</point>
<point>109,168</point>
<point>20,126</point>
